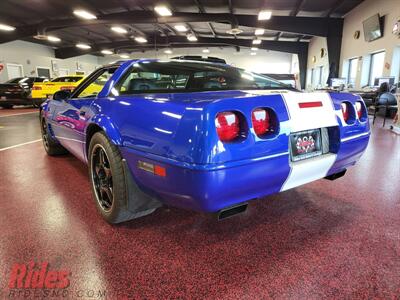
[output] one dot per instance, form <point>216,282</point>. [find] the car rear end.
<point>255,145</point>
<point>12,94</point>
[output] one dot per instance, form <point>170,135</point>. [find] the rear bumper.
<point>210,188</point>
<point>16,100</point>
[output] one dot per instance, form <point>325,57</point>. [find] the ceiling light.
<point>119,29</point>
<point>181,28</point>
<point>163,11</point>
<point>125,56</point>
<point>253,48</point>
<point>253,53</point>
<point>5,27</point>
<point>259,31</point>
<point>83,46</point>
<point>264,15</point>
<point>53,39</point>
<point>234,31</point>
<point>140,39</point>
<point>256,42</point>
<point>206,51</point>
<point>106,52</point>
<point>84,14</point>
<point>191,37</point>
<point>168,51</point>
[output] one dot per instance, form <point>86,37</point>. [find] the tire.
<point>107,176</point>
<point>52,147</point>
<point>7,106</point>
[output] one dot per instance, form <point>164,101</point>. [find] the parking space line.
<point>19,145</point>
<point>19,114</point>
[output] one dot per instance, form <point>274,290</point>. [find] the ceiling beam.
<point>300,25</point>
<point>297,8</point>
<point>288,47</point>
<point>334,7</point>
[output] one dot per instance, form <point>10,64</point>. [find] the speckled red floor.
<point>327,239</point>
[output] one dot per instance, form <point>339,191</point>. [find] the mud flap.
<point>139,204</point>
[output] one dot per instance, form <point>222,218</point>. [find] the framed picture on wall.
<point>43,72</point>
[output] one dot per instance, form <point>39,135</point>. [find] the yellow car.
<point>47,89</point>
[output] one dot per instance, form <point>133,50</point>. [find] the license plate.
<point>305,144</point>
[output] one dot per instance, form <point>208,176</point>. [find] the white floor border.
<point>19,145</point>
<point>19,114</point>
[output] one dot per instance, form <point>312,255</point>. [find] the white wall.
<point>31,55</point>
<point>263,62</point>
<point>352,48</point>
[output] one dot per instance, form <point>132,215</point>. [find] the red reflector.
<point>63,88</point>
<point>36,88</point>
<point>160,171</point>
<point>345,111</point>
<point>261,121</point>
<point>227,124</point>
<point>154,169</point>
<point>310,104</point>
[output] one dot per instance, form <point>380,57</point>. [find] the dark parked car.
<point>17,91</point>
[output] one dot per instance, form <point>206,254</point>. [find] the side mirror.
<point>62,95</point>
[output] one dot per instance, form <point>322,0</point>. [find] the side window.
<point>95,84</point>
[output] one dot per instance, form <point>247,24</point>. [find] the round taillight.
<point>345,111</point>
<point>261,121</point>
<point>227,124</point>
<point>359,109</point>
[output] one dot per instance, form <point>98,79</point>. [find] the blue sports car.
<point>202,136</point>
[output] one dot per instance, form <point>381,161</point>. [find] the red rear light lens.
<point>227,124</point>
<point>359,109</point>
<point>261,121</point>
<point>69,88</point>
<point>36,88</point>
<point>345,111</point>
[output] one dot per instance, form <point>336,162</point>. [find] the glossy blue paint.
<point>177,131</point>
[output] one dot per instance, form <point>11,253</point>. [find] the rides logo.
<point>37,276</point>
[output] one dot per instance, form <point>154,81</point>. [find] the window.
<point>166,77</point>
<point>352,73</point>
<point>376,68</point>
<point>94,84</point>
<point>316,77</point>
<point>67,79</point>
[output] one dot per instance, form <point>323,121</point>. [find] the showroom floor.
<point>325,239</point>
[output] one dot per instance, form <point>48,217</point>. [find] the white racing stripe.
<point>306,118</point>
<point>19,145</point>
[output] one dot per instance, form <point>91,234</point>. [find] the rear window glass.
<point>68,79</point>
<point>184,76</point>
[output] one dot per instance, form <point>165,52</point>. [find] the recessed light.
<point>125,56</point>
<point>163,11</point>
<point>181,28</point>
<point>140,39</point>
<point>206,51</point>
<point>83,46</point>
<point>6,27</point>
<point>191,37</point>
<point>119,29</point>
<point>256,42</point>
<point>107,52</point>
<point>253,48</point>
<point>253,53</point>
<point>264,15</point>
<point>84,14</point>
<point>53,39</point>
<point>259,31</point>
<point>168,51</point>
